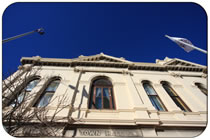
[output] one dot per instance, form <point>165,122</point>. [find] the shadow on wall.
<point>74,88</point>
<point>84,94</point>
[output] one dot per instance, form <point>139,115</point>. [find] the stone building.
<point>105,96</point>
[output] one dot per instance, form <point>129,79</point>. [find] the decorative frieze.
<point>177,75</point>
<point>125,72</point>
<point>109,61</point>
<point>76,70</point>
<point>204,75</point>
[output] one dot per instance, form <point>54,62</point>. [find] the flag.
<point>183,43</point>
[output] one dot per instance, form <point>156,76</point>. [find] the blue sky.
<point>134,31</point>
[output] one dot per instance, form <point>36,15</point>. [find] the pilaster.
<point>136,98</point>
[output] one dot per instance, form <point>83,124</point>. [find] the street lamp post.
<point>40,31</point>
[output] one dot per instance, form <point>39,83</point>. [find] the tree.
<point>21,118</point>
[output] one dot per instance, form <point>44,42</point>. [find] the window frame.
<point>202,88</point>
<point>44,92</point>
<point>176,98</point>
<point>154,95</point>
<point>24,91</point>
<point>92,97</point>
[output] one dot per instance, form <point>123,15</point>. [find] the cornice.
<point>37,61</point>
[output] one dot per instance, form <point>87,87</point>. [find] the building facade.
<point>105,96</point>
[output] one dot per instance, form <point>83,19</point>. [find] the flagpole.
<point>194,47</point>
<point>189,45</point>
<point>40,31</point>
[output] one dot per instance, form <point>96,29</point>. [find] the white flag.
<point>182,42</point>
<point>185,44</point>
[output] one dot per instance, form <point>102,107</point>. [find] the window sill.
<point>103,110</point>
<point>179,112</point>
<point>191,113</point>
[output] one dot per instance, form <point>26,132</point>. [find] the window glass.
<point>18,100</point>
<point>20,97</point>
<point>157,103</point>
<point>45,100</point>
<point>153,103</point>
<point>102,82</point>
<point>202,88</point>
<point>32,84</point>
<point>179,103</point>
<point>98,100</point>
<point>23,92</point>
<point>149,90</point>
<point>53,86</point>
<point>169,90</point>
<point>106,99</point>
<point>174,96</point>
<point>101,94</point>
<point>48,94</point>
<point>153,97</point>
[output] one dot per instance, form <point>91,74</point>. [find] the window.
<point>46,96</point>
<point>21,95</point>
<point>202,88</point>
<point>101,96</point>
<point>174,96</point>
<point>155,100</point>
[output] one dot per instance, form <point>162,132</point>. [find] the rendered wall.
<point>133,106</point>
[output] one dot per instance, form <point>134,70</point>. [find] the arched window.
<point>101,96</point>
<point>154,98</point>
<point>21,95</point>
<point>175,97</point>
<point>48,93</point>
<point>202,88</point>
